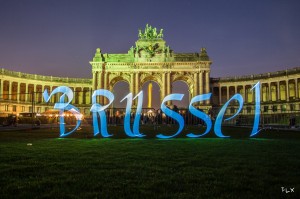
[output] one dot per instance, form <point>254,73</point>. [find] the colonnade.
<point>18,94</point>
<point>17,91</point>
<point>271,91</point>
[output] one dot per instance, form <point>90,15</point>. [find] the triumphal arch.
<point>152,60</point>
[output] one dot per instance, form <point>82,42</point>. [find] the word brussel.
<point>101,127</point>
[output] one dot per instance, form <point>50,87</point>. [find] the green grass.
<point>86,167</point>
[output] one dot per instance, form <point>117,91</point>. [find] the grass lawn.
<point>83,166</point>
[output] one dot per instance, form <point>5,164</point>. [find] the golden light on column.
<point>150,95</point>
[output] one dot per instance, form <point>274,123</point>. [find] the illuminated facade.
<point>152,60</point>
<point>20,92</point>
<point>279,91</point>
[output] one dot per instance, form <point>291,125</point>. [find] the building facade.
<point>152,60</point>
<point>279,91</point>
<point>22,92</point>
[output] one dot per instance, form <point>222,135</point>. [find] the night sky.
<point>59,37</point>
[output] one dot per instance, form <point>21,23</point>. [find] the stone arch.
<point>114,79</point>
<point>118,78</point>
<point>187,79</point>
<point>155,78</point>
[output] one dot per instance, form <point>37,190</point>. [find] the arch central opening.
<point>180,86</point>
<point>152,94</point>
<point>120,90</point>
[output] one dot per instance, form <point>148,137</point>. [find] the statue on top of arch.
<point>150,33</point>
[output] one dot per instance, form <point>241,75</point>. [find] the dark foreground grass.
<point>87,167</point>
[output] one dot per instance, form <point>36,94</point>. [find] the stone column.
<point>89,96</point>
<point>94,80</point>
<point>253,95</point>
<point>164,86</point>
<point>84,93</point>
<point>196,75</point>
<point>169,84</point>
<point>261,93</point>
<point>36,95</point>
<point>1,89</point>
<point>270,92</point>
<point>201,83</point>
<point>40,93</point>
<point>100,80</point>
<point>207,82</point>
<point>246,95</point>
<point>243,94</point>
<point>278,91</point>
<point>132,87</point>
<point>105,86</point>
<point>137,82</point>
<point>227,92</point>
<point>195,90</point>
<point>296,88</point>
<point>26,93</point>
<point>18,91</point>
<point>207,85</point>
<point>287,91</point>
<point>10,90</point>
<point>132,84</point>
<point>42,90</point>
<point>100,86</point>
<point>53,98</point>
<point>106,80</point>
<point>80,96</point>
